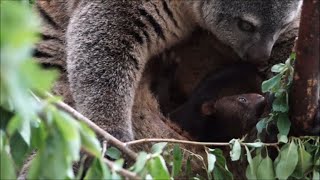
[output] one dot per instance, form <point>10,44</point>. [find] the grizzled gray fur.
<point>109,42</point>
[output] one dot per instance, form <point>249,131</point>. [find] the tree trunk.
<point>305,90</point>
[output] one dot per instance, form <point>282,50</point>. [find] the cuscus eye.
<point>242,99</point>
<point>246,26</point>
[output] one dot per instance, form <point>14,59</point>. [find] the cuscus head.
<point>240,111</point>
<point>249,27</point>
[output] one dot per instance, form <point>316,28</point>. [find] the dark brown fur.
<point>230,116</point>
<point>234,80</point>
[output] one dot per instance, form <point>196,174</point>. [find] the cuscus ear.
<point>207,108</point>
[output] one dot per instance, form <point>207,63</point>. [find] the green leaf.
<point>14,17</point>
<point>22,126</point>
<point>158,148</point>
<point>113,152</point>
<point>38,136</point>
<point>157,168</point>
<point>262,124</point>
<point>98,170</point>
<point>316,159</point>
<point>7,170</point>
<point>311,148</point>
<point>115,175</point>
<point>281,103</point>
<point>56,162</point>
<point>315,175</point>
<point>257,159</point>
<point>304,163</point>
<point>37,78</point>
<point>265,169</point>
<point>271,84</point>
<point>188,166</point>
<point>118,164</point>
<point>251,169</point>
<point>3,140</point>
<point>287,161</point>
<point>278,68</point>
<point>177,161</point>
<point>14,124</point>
<point>148,177</point>
<point>220,170</point>
<point>253,163</point>
<point>211,161</point>
<point>47,165</point>
<point>19,149</point>
<point>5,116</point>
<point>292,57</point>
<point>141,162</point>
<point>89,141</point>
<point>282,138</point>
<point>235,152</point>
<point>16,50</point>
<point>25,131</point>
<point>69,130</point>
<point>280,91</point>
<point>283,124</point>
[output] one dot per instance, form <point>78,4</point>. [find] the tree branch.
<point>140,141</point>
<point>112,166</point>
<point>114,141</point>
<point>121,171</point>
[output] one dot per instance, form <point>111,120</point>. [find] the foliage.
<point>279,86</point>
<point>294,160</point>
<point>298,159</point>
<point>217,163</point>
<point>29,126</point>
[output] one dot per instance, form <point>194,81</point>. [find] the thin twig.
<point>26,166</point>
<point>114,141</point>
<point>104,148</point>
<point>113,167</point>
<point>139,141</point>
<point>121,171</point>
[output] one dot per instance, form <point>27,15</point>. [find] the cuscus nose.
<point>260,52</point>
<point>260,104</point>
<point>258,55</point>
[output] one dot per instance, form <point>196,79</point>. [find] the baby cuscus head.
<point>231,116</point>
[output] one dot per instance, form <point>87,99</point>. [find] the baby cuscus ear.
<point>207,108</point>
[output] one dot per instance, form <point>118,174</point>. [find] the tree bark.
<point>305,89</point>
